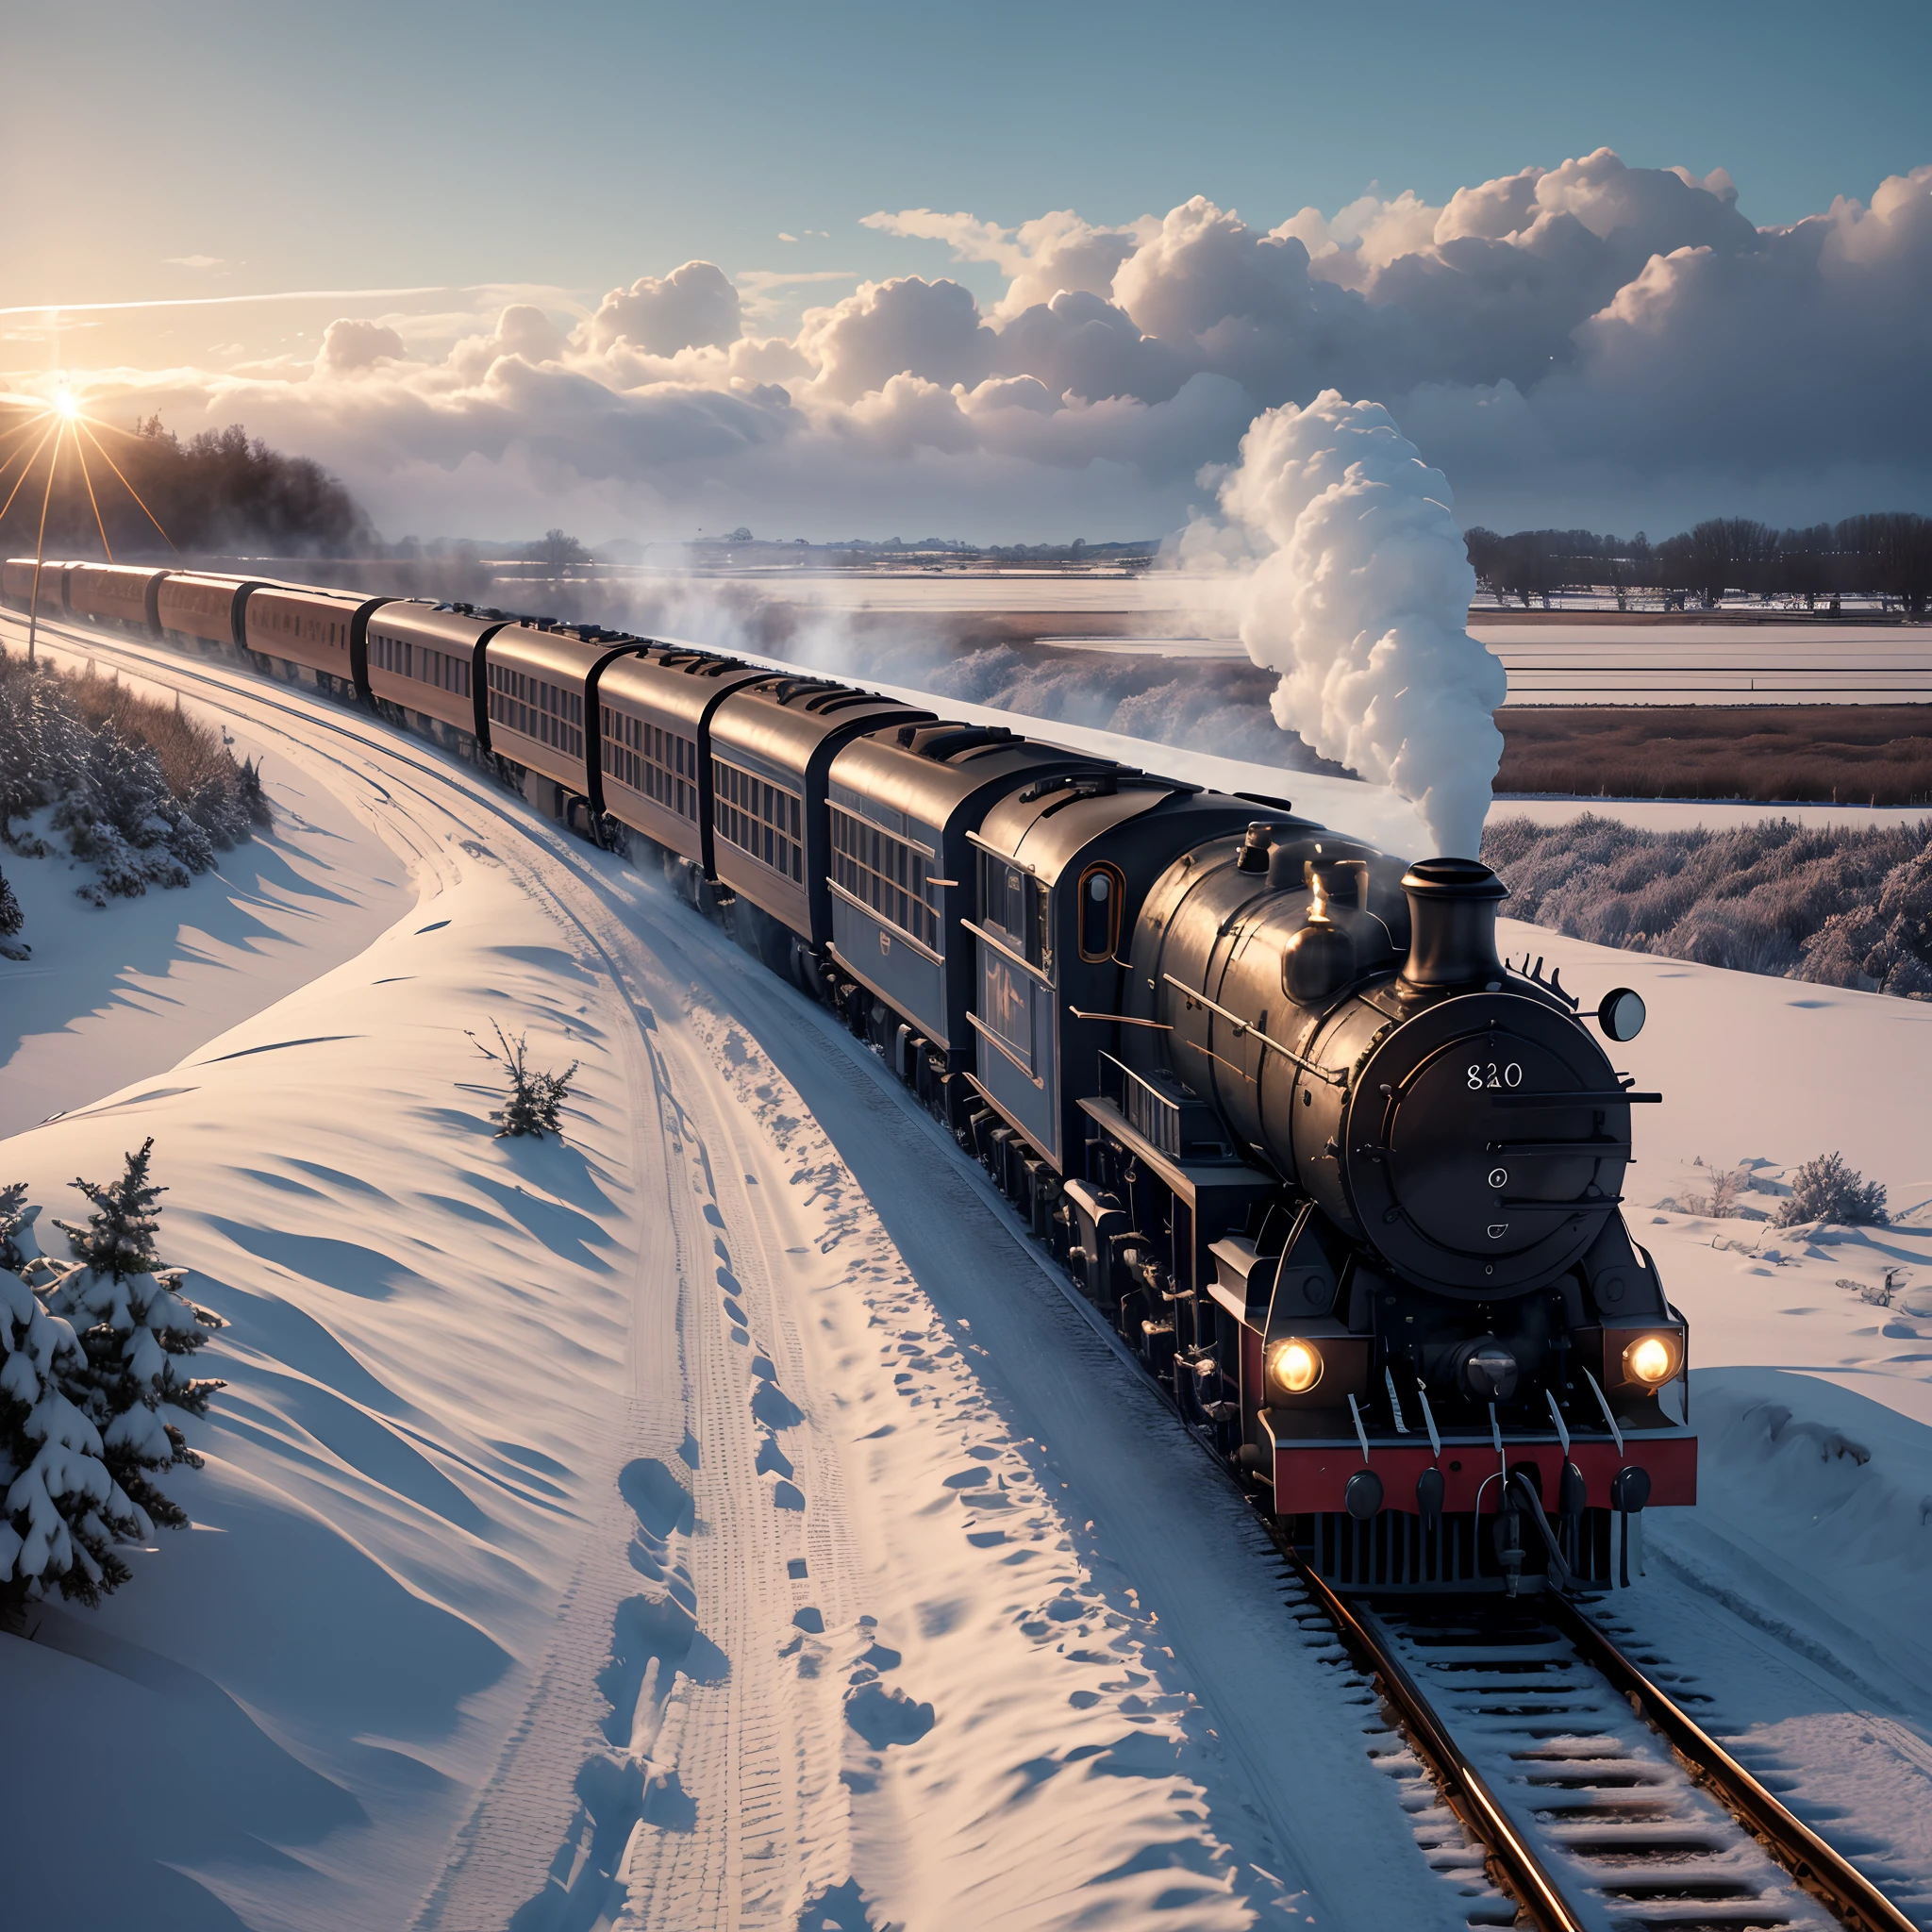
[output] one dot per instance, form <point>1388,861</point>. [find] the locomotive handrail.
<point>1241,1026</point>
<point>1598,1142</point>
<point>1000,946</point>
<point>1588,1097</point>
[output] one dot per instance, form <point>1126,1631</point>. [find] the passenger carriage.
<point>17,584</point>
<point>127,595</point>
<point>772,742</point>
<point>902,803</point>
<point>312,630</point>
<point>204,610</point>
<point>426,664</point>
<point>655,708</point>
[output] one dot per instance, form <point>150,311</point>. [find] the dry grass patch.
<point>1827,754</point>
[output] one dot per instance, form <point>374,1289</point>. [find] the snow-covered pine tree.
<point>61,1511</point>
<point>535,1102</point>
<point>134,1327</point>
<point>10,921</point>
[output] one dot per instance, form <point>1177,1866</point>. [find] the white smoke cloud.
<point>1590,342</point>
<point>1360,601</point>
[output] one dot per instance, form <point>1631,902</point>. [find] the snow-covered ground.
<point>726,1518</point>
<point>111,993</point>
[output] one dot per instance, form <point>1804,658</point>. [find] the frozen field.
<point>1171,615</point>
<point>1688,664</point>
<point>726,1519</point>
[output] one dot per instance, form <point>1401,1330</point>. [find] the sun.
<point>66,405</point>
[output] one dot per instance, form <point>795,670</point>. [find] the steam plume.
<point>1361,601</point>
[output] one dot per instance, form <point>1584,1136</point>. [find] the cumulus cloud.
<point>694,306</point>
<point>1051,255</point>
<point>1360,600</point>
<point>1588,343</point>
<point>350,346</point>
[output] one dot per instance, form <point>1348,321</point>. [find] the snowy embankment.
<point>1793,1597</point>
<point>113,992</point>
<point>727,1518</point>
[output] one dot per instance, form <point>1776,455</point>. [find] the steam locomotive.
<point>1344,1182</point>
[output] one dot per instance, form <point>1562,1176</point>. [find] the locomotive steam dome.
<point>1459,1122</point>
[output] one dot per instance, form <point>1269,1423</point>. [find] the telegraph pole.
<point>33,612</point>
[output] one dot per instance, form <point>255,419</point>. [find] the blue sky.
<point>364,146</point>
<point>433,247</point>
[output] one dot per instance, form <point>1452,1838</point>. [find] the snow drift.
<point>1360,602</point>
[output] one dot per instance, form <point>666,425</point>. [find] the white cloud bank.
<point>1589,343</point>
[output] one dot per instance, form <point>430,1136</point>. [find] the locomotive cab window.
<point>1100,913</point>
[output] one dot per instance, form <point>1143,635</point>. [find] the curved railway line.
<point>1601,1801</point>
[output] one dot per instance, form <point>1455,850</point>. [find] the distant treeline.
<point>221,490</point>
<point>1888,556</point>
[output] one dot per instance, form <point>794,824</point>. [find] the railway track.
<point>1601,1799</point>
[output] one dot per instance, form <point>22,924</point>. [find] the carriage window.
<point>538,709</point>
<point>651,761</point>
<point>1100,912</point>
<point>886,874</point>
<point>1015,902</point>
<point>758,818</point>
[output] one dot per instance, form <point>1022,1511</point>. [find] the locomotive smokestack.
<point>1451,918</point>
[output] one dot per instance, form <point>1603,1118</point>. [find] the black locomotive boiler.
<point>1346,1184</point>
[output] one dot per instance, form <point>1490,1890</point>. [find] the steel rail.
<point>1462,1785</point>
<point>1825,1874</point>
<point>1815,1866</point>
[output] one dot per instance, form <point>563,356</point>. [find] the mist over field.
<point>1590,342</point>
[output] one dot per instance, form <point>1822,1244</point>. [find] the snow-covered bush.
<point>1835,905</point>
<point>61,1511</point>
<point>145,794</point>
<point>1827,1190</point>
<point>1719,1202</point>
<point>135,1327</point>
<point>535,1102</point>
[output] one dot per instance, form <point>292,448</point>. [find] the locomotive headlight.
<point>1651,1359</point>
<point>1294,1366</point>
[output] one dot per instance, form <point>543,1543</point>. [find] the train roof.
<point>318,593</point>
<point>146,573</point>
<point>926,771</point>
<point>785,718</point>
<point>1045,825</point>
<point>675,682</point>
<point>563,654</point>
<point>439,624</point>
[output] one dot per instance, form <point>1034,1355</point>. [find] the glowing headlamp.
<point>1651,1359</point>
<point>1294,1365</point>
